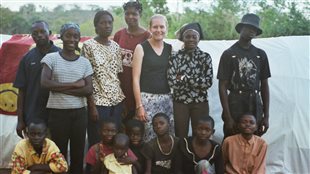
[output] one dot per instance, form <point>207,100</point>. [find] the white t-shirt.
<point>65,71</point>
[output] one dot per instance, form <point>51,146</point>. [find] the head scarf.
<point>68,26</point>
<point>191,26</point>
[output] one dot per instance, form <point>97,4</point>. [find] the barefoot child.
<point>245,152</point>
<point>96,154</point>
<point>199,150</point>
<point>161,151</point>
<point>135,132</point>
<point>117,162</point>
<point>37,154</point>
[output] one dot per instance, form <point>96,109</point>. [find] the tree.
<point>282,18</point>
<point>218,18</point>
<point>27,9</point>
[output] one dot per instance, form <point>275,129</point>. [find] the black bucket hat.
<point>193,26</point>
<point>249,19</point>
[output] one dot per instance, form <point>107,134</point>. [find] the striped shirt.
<point>65,71</point>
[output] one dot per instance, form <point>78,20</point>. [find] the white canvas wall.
<point>288,136</point>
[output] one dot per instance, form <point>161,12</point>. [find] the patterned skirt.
<point>153,104</point>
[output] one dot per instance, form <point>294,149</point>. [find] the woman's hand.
<point>141,114</point>
<point>93,113</point>
<point>79,84</point>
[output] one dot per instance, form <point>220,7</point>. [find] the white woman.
<point>150,84</point>
<point>190,76</point>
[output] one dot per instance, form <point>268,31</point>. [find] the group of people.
<point>135,96</point>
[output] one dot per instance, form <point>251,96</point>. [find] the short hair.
<point>37,122</point>
<point>121,137</point>
<point>134,123</point>
<point>40,21</point>
<point>135,4</point>
<point>163,115</point>
<point>158,16</point>
<point>99,14</point>
<point>106,121</point>
<point>247,113</point>
<point>205,118</point>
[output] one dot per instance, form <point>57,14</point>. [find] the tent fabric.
<point>288,135</point>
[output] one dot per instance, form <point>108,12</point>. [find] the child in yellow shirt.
<point>115,163</point>
<point>37,154</point>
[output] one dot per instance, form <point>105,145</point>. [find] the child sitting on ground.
<point>96,154</point>
<point>199,154</point>
<point>245,152</point>
<point>135,132</point>
<point>37,154</point>
<point>114,163</point>
<point>160,152</point>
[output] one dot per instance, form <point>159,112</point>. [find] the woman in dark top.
<point>199,152</point>
<point>150,64</point>
<point>189,75</point>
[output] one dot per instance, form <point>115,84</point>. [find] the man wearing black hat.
<point>244,72</point>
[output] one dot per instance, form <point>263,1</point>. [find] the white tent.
<point>288,135</point>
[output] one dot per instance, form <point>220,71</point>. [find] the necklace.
<point>172,144</point>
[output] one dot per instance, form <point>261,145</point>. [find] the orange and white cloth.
<point>25,156</point>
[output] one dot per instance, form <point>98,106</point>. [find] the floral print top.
<point>25,156</point>
<point>197,72</point>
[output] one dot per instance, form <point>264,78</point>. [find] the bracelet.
<point>182,77</point>
<point>141,105</point>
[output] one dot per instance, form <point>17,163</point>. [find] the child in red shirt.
<point>97,153</point>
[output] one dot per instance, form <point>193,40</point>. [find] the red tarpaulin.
<point>11,53</point>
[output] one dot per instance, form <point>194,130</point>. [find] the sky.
<point>173,5</point>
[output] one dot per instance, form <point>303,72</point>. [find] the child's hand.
<point>35,167</point>
<point>39,168</point>
<point>126,160</point>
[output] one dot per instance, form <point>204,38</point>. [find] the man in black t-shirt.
<point>244,72</point>
<point>32,99</point>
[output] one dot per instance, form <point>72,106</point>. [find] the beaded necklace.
<point>172,140</point>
